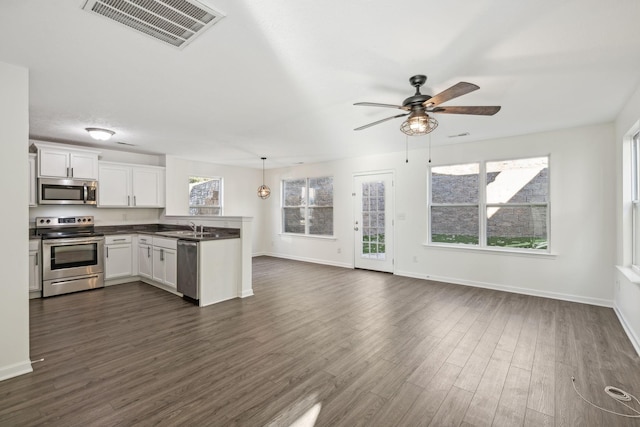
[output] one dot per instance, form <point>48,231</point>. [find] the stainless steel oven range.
<point>72,255</point>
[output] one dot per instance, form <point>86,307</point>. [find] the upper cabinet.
<point>125,185</point>
<point>33,200</point>
<point>62,161</point>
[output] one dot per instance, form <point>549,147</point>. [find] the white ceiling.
<point>278,78</point>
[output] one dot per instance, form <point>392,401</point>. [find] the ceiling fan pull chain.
<point>429,148</point>
<point>407,147</point>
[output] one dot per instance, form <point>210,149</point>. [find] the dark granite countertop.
<point>166,230</point>
<point>182,232</point>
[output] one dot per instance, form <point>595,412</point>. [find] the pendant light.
<point>263,191</point>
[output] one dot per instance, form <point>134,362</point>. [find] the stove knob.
<point>84,219</point>
<point>42,221</point>
<point>88,219</point>
<point>48,221</point>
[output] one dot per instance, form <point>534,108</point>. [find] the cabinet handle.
<point>148,251</point>
<point>128,200</point>
<point>107,248</point>
<point>161,254</point>
<point>134,201</point>
<point>118,240</point>
<point>71,172</point>
<point>36,258</point>
<point>68,171</point>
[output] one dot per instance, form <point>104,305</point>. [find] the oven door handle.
<point>86,191</point>
<point>72,241</point>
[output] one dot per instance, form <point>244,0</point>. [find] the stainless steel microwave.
<point>52,191</point>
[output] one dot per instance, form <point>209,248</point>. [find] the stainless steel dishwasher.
<point>188,270</point>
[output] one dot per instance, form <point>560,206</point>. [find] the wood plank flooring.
<point>356,347</point>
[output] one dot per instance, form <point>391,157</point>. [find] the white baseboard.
<point>635,341</point>
<point>513,289</point>
<point>312,260</point>
<point>15,370</point>
<point>247,293</point>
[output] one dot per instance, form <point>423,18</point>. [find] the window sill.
<point>495,251</point>
<point>630,273</point>
<point>308,236</point>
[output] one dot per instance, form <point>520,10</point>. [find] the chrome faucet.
<point>193,226</point>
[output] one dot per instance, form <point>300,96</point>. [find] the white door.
<point>145,261</point>
<point>145,187</point>
<point>373,221</point>
<point>114,186</point>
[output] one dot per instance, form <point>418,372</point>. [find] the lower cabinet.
<point>144,260</point>
<point>157,260</point>
<point>118,252</point>
<point>35,284</point>
<point>165,266</point>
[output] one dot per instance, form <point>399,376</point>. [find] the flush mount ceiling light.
<point>263,191</point>
<point>100,134</point>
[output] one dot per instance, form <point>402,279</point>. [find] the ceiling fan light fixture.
<point>100,134</point>
<point>418,123</point>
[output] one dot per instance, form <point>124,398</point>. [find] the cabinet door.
<point>118,261</point>
<point>171,268</point>
<point>158,264</point>
<point>114,186</point>
<point>53,162</point>
<point>145,261</point>
<point>84,165</point>
<point>146,187</point>
<point>32,181</point>
<point>34,271</point>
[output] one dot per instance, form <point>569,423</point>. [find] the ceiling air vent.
<point>176,22</point>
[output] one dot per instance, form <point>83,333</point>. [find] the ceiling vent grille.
<point>176,22</point>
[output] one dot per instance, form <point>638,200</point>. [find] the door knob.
<point>355,228</point>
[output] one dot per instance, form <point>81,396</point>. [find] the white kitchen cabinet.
<point>118,257</point>
<point>35,284</point>
<point>33,199</point>
<point>145,260</point>
<point>165,261</point>
<point>61,161</point>
<point>122,185</point>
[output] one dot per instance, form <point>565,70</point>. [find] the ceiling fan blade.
<point>477,111</point>
<point>454,91</point>
<point>375,104</point>
<point>380,121</point>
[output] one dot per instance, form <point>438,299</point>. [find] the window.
<point>491,204</point>
<point>635,199</point>
<point>307,206</point>
<point>205,195</point>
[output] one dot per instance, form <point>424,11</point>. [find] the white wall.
<point>627,289</point>
<point>240,198</point>
<point>14,254</point>
<point>582,218</point>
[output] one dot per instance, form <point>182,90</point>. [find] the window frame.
<point>483,205</point>
<point>220,206</point>
<point>635,201</point>
<point>306,207</point>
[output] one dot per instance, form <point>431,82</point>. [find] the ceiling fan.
<point>419,107</point>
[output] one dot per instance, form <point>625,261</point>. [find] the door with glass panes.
<point>373,221</point>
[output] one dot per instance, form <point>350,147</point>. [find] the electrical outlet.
<point>339,250</point>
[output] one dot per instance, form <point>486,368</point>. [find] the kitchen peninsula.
<point>218,270</point>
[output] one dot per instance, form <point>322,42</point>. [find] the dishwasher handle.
<point>187,243</point>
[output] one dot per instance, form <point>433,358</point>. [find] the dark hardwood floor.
<point>360,347</point>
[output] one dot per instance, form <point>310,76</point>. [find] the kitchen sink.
<point>187,233</point>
